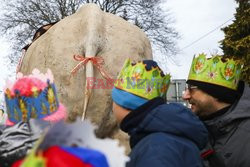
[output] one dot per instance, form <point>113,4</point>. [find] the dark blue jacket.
<point>164,135</point>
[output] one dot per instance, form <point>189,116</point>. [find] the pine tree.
<point>237,37</point>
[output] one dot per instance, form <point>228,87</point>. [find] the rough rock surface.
<point>89,32</point>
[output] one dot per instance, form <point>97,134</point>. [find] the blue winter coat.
<point>164,135</point>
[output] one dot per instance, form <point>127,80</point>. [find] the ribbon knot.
<point>98,62</point>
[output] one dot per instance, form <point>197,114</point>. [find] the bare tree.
<point>22,18</point>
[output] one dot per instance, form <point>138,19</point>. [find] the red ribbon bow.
<point>98,62</point>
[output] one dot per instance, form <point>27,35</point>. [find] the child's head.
<point>136,84</point>
<point>33,96</point>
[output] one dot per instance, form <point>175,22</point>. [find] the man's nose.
<point>186,95</point>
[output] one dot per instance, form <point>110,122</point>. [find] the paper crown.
<point>32,96</point>
<point>215,70</point>
<point>144,80</point>
<point>58,148</point>
<point>65,156</point>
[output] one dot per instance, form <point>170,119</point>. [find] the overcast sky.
<point>194,19</point>
<point>4,72</point>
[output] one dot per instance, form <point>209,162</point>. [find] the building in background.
<point>175,91</point>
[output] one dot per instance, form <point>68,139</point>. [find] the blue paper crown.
<point>39,105</point>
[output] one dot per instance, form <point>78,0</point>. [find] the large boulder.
<point>92,33</point>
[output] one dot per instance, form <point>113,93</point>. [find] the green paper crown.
<point>216,70</point>
<point>137,80</point>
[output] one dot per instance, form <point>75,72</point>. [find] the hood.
<point>238,111</point>
<point>177,120</point>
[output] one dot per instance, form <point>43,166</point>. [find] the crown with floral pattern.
<point>143,80</point>
<point>216,70</point>
<point>32,96</point>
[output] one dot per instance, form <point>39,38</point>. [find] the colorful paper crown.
<point>144,80</point>
<point>32,96</point>
<point>216,70</point>
<point>65,156</point>
<point>57,148</point>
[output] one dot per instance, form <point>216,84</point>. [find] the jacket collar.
<point>215,125</point>
<point>229,118</point>
<point>130,123</point>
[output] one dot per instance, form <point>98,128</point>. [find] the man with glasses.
<point>221,101</point>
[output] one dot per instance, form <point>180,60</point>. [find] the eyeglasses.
<point>190,87</point>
